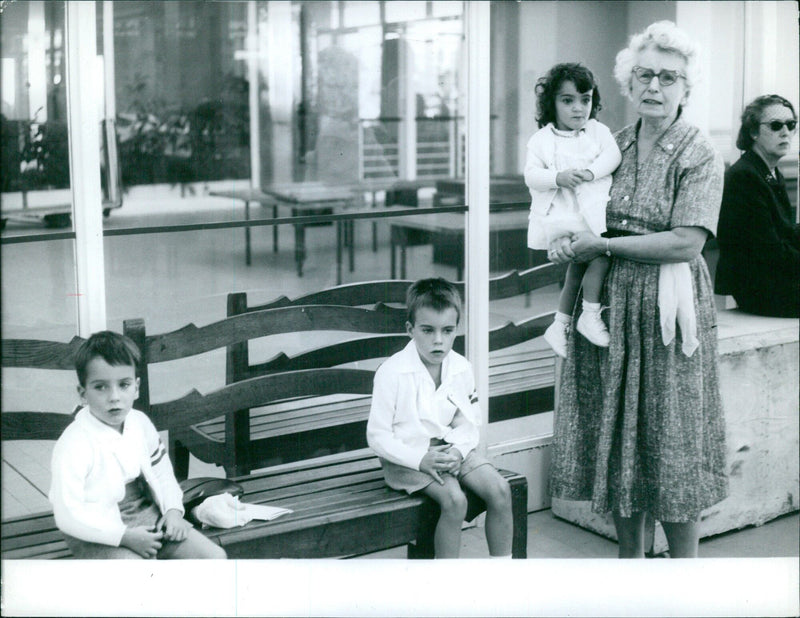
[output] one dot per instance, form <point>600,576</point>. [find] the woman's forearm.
<point>680,244</point>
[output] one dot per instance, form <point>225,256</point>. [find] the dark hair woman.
<point>759,244</point>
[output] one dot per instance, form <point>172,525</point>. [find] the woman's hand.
<point>586,246</point>
<point>560,250</point>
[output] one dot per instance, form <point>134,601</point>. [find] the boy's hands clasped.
<point>443,459</point>
<point>146,542</point>
<point>143,541</point>
<point>175,527</point>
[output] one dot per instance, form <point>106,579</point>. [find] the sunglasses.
<point>777,125</point>
<point>665,77</point>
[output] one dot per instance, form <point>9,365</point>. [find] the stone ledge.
<point>739,331</point>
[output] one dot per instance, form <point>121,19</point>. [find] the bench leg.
<point>422,548</point>
<point>519,508</point>
<point>179,455</point>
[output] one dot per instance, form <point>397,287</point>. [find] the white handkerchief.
<point>262,511</point>
<point>676,304</point>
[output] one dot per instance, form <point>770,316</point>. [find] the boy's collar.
<point>412,363</point>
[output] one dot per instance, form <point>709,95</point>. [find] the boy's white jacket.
<point>88,481</point>
<point>408,410</point>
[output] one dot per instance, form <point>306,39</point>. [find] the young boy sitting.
<point>113,492</point>
<point>423,423</point>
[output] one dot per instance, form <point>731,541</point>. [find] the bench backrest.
<point>513,283</point>
<point>37,354</point>
<point>392,336</point>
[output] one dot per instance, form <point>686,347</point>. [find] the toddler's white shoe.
<point>591,326</point>
<point>556,336</point>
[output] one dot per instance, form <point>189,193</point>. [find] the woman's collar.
<point>764,168</point>
<point>667,141</point>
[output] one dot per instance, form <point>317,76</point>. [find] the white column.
<point>252,76</point>
<point>281,92</point>
<point>477,194</point>
<point>37,65</point>
<point>407,138</point>
<point>84,161</point>
<point>110,102</point>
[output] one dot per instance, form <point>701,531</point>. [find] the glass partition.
<point>309,125</point>
<point>565,32</point>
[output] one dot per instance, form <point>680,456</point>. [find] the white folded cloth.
<point>225,511</point>
<point>676,304</point>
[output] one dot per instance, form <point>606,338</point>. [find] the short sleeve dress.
<point>639,425</point>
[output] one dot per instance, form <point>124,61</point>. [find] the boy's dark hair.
<point>547,89</point>
<point>753,114</point>
<point>112,347</point>
<point>436,293</point>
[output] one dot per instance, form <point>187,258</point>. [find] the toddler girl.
<point>568,171</point>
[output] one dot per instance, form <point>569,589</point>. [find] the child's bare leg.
<point>572,283</point>
<point>683,539</point>
<point>630,535</point>
<point>196,546</point>
<point>594,277</point>
<point>495,492</point>
<point>453,508</point>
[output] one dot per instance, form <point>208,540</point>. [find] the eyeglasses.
<point>777,125</point>
<point>665,77</point>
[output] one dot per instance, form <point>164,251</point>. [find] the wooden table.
<point>507,228</point>
<point>502,189</point>
<point>302,198</point>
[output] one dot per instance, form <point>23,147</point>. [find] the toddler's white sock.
<point>591,307</point>
<point>563,318</point>
<point>508,557</point>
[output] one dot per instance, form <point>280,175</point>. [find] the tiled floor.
<point>550,537</point>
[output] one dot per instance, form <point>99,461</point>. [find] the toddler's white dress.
<point>559,211</point>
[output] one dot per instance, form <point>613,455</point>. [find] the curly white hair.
<point>664,36</point>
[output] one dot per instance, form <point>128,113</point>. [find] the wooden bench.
<point>521,379</point>
<point>340,503</point>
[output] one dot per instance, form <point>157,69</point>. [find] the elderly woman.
<point>639,426</point>
<point>759,244</point>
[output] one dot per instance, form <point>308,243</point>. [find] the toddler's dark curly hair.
<point>547,89</point>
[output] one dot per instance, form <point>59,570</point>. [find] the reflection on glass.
<point>35,153</point>
<point>37,289</point>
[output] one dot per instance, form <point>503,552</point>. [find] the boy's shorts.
<point>411,481</point>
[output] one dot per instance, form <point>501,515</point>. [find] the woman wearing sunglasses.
<point>759,243</point>
<point>639,427</point>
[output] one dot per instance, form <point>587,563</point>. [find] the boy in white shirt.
<point>423,423</point>
<point>113,491</point>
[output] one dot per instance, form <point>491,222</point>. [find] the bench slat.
<point>40,354</point>
<point>191,340</point>
<point>511,284</point>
